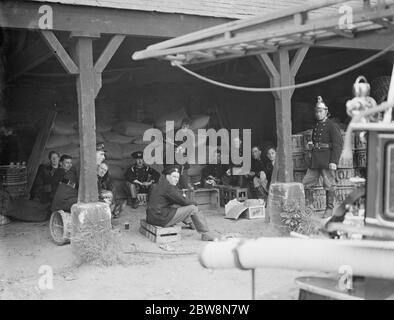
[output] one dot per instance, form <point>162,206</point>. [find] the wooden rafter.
<point>286,29</point>
<point>59,51</point>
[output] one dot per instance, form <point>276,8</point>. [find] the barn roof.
<point>233,9</point>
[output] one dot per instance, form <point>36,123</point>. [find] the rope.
<point>297,86</point>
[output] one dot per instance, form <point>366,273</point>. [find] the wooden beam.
<point>59,51</point>
<point>29,58</point>
<point>297,60</point>
<point>95,19</point>
<point>108,52</point>
<point>343,33</point>
<point>284,163</point>
<point>271,71</point>
<point>87,121</point>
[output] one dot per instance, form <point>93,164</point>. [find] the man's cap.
<point>100,147</point>
<point>137,155</point>
<point>320,104</point>
<point>170,169</point>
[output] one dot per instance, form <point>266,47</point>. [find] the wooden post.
<point>86,90</point>
<point>282,73</point>
<point>284,162</point>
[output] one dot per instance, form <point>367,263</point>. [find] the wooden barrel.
<point>343,176</point>
<point>359,144</point>
<point>345,164</point>
<point>60,227</point>
<point>14,180</point>
<point>360,158</point>
<point>299,162</point>
<point>315,197</point>
<point>298,144</point>
<point>306,137</point>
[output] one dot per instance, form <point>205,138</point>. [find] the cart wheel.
<point>59,226</point>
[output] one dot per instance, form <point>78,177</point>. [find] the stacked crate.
<point>316,195</point>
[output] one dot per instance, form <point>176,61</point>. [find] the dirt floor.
<point>146,272</point>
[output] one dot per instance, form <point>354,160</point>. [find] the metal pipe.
<point>366,258</point>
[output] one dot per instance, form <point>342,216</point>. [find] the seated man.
<point>42,187</point>
<point>256,172</point>
<point>262,180</point>
<point>139,178</point>
<point>214,174</point>
<point>66,193</point>
<point>167,206</point>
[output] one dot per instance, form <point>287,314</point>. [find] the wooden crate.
<point>159,234</point>
<point>207,199</point>
<point>228,193</point>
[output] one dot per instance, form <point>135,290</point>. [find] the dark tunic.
<point>162,199</point>
<point>257,166</point>
<point>143,174</point>
<point>65,195</point>
<point>326,132</point>
<point>268,169</point>
<point>43,184</point>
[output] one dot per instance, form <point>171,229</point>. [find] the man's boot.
<point>330,198</point>
<point>201,226</point>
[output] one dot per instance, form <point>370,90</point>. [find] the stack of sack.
<point>120,140</point>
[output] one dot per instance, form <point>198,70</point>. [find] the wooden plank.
<point>87,121</point>
<point>284,161</point>
<point>29,58</point>
<point>298,59</point>
<point>271,71</point>
<point>108,52</point>
<point>94,19</point>
<point>38,149</point>
<point>59,51</point>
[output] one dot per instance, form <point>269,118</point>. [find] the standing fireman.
<point>325,150</point>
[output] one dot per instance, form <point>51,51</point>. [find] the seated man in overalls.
<point>139,178</point>
<point>167,206</point>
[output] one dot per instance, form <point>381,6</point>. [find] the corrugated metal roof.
<point>234,9</point>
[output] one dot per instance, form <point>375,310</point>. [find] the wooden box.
<point>228,193</point>
<point>159,234</point>
<point>206,198</point>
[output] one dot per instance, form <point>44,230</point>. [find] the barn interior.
<point>144,91</point>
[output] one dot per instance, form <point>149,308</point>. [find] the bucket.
<point>360,159</point>
<point>60,227</point>
<point>13,180</point>
<point>298,144</point>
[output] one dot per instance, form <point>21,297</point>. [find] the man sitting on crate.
<point>167,206</point>
<point>324,152</point>
<point>139,178</point>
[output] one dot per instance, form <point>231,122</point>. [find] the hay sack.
<point>114,152</point>
<point>131,129</point>
<point>65,125</point>
<point>176,116</point>
<point>128,149</point>
<point>124,163</point>
<point>199,122</point>
<point>116,172</point>
<point>111,136</point>
<point>103,127</point>
<point>58,140</point>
